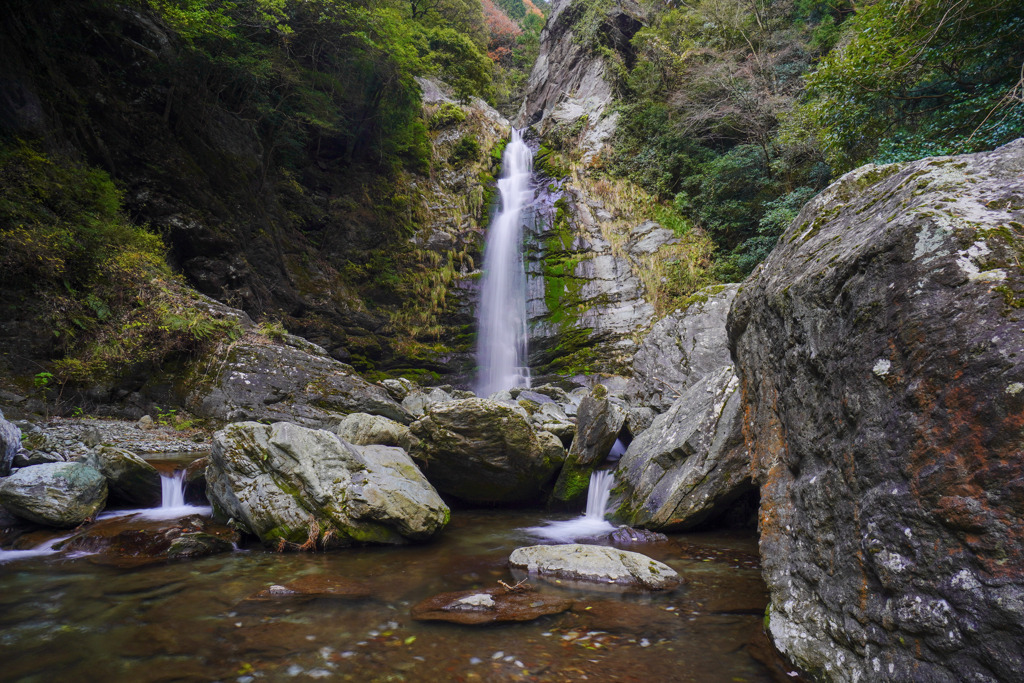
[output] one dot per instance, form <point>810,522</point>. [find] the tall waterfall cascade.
<point>502,338</point>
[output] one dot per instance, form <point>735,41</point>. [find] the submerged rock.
<point>134,541</point>
<point>295,381</point>
<point>315,586</point>
<point>595,564</point>
<point>482,451</point>
<point>489,606</point>
<point>692,462</point>
<point>293,486</point>
<point>60,494</point>
<point>130,479</point>
<point>879,349</point>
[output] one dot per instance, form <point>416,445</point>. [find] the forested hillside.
<point>739,111</point>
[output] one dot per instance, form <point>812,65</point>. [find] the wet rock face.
<point>293,486</point>
<point>681,348</point>
<point>482,451</point>
<point>594,564</point>
<point>295,381</point>
<point>691,464</point>
<point>599,422</point>
<point>60,494</point>
<point>10,445</point>
<point>879,349</point>
<point>131,479</point>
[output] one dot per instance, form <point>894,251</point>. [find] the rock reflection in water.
<point>75,620</point>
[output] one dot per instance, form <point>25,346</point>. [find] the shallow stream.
<point>79,619</point>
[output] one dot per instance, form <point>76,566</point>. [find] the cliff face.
<point>570,86</point>
<point>879,351</point>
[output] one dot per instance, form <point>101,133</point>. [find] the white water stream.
<point>501,344</point>
<point>592,523</point>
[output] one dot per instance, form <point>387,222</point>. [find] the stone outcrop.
<point>879,349</point>
<point>373,430</point>
<point>681,348</point>
<point>691,464</point>
<point>482,451</point>
<point>294,381</point>
<point>568,87</point>
<point>130,479</point>
<point>594,564</point>
<point>293,486</point>
<point>60,494</point>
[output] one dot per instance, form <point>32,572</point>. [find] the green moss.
<point>448,114</point>
<point>551,163</point>
<point>573,482</point>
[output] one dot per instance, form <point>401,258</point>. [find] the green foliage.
<point>466,149</point>
<point>272,329</point>
<point>109,297</point>
<point>448,114</point>
<point>932,77</point>
<point>459,61</point>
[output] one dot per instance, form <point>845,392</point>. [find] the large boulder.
<point>681,348</point>
<point>879,349</point>
<point>598,424</point>
<point>691,464</point>
<point>294,486</point>
<point>130,479</point>
<point>593,564</point>
<point>293,381</point>
<point>482,451</point>
<point>60,494</point>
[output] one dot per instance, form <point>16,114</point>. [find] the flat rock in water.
<point>316,586</point>
<point>627,535</point>
<point>489,606</point>
<point>595,564</point>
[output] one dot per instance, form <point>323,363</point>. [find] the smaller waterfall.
<point>598,494</point>
<point>172,490</point>
<point>592,523</point>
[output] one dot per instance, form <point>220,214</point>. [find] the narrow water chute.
<point>592,523</point>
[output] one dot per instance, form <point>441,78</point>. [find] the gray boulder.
<point>10,445</point>
<point>691,464</point>
<point>482,451</point>
<point>299,487</point>
<point>130,479</point>
<point>879,350</point>
<point>682,348</point>
<point>362,429</point>
<point>61,495</point>
<point>295,381</point>
<point>594,564</point>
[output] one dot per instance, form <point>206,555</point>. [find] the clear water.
<point>502,337</point>
<point>79,619</point>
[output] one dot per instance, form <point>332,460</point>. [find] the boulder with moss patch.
<point>298,487</point>
<point>60,494</point>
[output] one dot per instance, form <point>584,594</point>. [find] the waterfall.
<point>587,525</point>
<point>501,344</point>
<point>598,494</point>
<point>172,490</point>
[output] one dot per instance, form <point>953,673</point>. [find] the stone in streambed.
<point>594,564</point>
<point>316,586</point>
<point>10,445</point>
<point>298,487</point>
<point>61,494</point>
<point>489,606</point>
<point>598,424</point>
<point>131,479</point>
<point>482,451</point>
<point>363,429</point>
